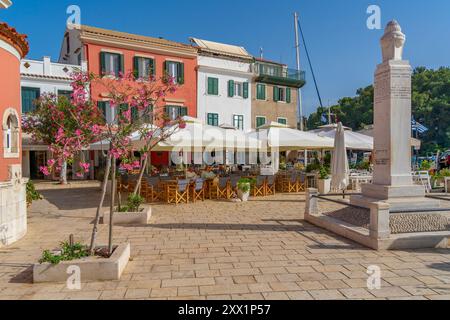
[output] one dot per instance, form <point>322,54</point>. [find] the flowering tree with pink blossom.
<point>138,111</point>
<point>67,126</point>
<point>72,126</point>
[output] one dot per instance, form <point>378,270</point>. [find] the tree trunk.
<point>111,212</point>
<point>141,175</point>
<point>63,174</point>
<point>100,206</point>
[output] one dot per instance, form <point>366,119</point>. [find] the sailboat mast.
<point>297,47</point>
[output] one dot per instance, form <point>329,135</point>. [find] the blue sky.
<point>343,50</point>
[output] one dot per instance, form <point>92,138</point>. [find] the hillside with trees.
<point>430,106</point>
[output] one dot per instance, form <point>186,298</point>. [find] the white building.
<point>39,77</point>
<point>224,84</point>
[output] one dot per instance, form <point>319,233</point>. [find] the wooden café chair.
<point>223,189</point>
<point>153,190</point>
<point>198,190</point>
<point>177,191</point>
<point>270,186</point>
<point>259,188</point>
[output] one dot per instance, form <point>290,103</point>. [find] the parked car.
<point>444,160</point>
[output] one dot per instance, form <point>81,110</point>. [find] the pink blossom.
<point>44,171</point>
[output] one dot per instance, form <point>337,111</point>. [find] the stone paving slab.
<point>219,250</point>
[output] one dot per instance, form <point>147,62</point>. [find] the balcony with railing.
<point>279,75</point>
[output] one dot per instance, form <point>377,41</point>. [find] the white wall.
<point>38,73</point>
<point>223,105</point>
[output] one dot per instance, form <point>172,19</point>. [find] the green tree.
<point>430,107</point>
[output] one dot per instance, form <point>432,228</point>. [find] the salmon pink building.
<point>13,211</point>
<point>112,52</point>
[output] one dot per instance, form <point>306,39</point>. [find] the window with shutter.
<point>175,70</point>
<point>143,67</point>
<point>213,86</point>
<point>288,95</point>
<point>260,121</point>
<point>111,63</point>
<point>238,122</point>
<point>276,94</point>
<point>282,120</point>
<point>260,91</point>
<point>245,90</point>
<point>29,96</point>
<point>213,119</point>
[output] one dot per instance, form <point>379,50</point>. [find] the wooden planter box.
<point>124,218</point>
<point>91,268</point>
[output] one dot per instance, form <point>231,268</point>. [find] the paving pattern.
<point>220,250</point>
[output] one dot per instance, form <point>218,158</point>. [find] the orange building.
<point>111,52</point>
<point>13,47</point>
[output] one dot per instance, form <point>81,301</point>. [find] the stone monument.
<point>392,178</point>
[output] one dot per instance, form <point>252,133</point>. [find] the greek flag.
<point>416,126</point>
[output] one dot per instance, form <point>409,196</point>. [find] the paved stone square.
<point>220,250</point>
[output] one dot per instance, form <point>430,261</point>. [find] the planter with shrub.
<point>244,186</point>
<point>132,213</point>
<point>74,259</point>
<point>324,183</point>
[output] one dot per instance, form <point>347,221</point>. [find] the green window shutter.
<point>216,86</point>
<point>213,86</point>
<point>288,95</point>
<point>245,90</point>
<point>136,67</point>
<point>29,95</point>
<point>183,111</point>
<point>166,67</point>
<point>101,105</point>
<point>282,121</point>
<point>121,63</point>
<point>180,69</point>
<point>260,121</point>
<point>134,114</point>
<point>152,67</point>
<point>210,85</point>
<point>102,63</point>
<point>213,119</point>
<point>231,88</point>
<point>276,94</point>
<point>263,91</point>
<point>259,92</point>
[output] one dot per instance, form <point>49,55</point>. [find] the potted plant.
<point>324,180</point>
<point>132,212</point>
<point>243,188</point>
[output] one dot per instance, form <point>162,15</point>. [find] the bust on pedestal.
<point>392,179</point>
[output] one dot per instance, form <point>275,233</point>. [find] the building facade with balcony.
<point>112,52</point>
<point>13,206</point>
<point>224,82</point>
<point>275,93</point>
<point>40,77</point>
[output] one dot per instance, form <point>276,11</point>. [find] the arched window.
<point>10,134</point>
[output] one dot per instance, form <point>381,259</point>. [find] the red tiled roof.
<point>17,40</point>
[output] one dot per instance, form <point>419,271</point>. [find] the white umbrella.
<point>353,140</point>
<point>339,163</point>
